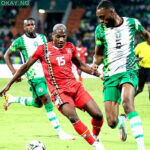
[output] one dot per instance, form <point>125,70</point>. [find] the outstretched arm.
<point>23,69</point>
<point>84,67</point>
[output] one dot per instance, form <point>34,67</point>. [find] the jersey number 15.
<point>61,60</point>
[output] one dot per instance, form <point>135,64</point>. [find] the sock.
<point>84,132</point>
<point>96,126</point>
<point>52,117</point>
<point>27,101</point>
<point>136,128</point>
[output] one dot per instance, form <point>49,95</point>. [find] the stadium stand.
<point>81,22</point>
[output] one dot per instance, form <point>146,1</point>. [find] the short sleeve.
<point>15,46</point>
<point>38,53</point>
<point>98,40</point>
<point>138,25</point>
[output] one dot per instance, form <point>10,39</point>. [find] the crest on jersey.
<point>68,50</point>
<point>35,44</point>
<point>118,34</point>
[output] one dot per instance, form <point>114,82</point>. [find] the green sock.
<point>136,128</point>
<point>27,101</point>
<point>52,116</point>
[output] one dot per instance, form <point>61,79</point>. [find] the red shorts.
<point>75,95</point>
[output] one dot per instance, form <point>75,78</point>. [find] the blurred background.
<point>78,15</point>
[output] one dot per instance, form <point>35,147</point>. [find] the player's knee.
<point>98,115</point>
<point>39,105</point>
<point>112,122</point>
<point>73,118</point>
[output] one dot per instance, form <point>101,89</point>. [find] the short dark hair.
<point>106,4</point>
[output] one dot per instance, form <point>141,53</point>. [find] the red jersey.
<point>57,65</point>
<point>82,52</point>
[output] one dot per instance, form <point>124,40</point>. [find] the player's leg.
<point>111,101</point>
<point>142,80</point>
<point>26,101</point>
<point>37,88</point>
<point>97,117</point>
<point>53,118</point>
<point>69,111</point>
<point>127,95</point>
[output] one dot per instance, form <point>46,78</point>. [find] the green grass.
<point>21,124</point>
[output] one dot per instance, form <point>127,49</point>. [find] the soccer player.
<point>142,51</point>
<point>67,94</point>
<point>82,53</point>
<point>26,45</point>
<point>115,46</point>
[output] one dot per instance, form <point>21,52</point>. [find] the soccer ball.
<point>35,145</point>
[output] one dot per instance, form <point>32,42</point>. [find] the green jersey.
<point>27,46</point>
<point>118,42</point>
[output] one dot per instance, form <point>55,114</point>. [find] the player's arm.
<point>146,35</point>
<point>98,56</point>
<point>22,70</point>
<point>84,67</point>
<point>8,61</point>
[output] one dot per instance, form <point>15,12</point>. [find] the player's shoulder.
<point>99,27</point>
<point>69,45</point>
<point>17,40</point>
<point>131,20</point>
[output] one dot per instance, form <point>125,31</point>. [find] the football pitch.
<point>20,124</point>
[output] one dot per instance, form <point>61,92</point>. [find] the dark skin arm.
<point>9,63</point>
<point>98,57</point>
<point>146,35</point>
<point>23,69</point>
<point>84,67</point>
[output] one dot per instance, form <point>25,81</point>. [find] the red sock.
<point>84,132</point>
<point>96,126</point>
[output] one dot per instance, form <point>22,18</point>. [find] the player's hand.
<point>94,67</point>
<point>5,89</point>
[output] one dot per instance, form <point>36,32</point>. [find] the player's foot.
<point>7,102</point>
<point>99,146</point>
<point>95,137</point>
<point>122,128</point>
<point>65,136</point>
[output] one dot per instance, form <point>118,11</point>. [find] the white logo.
<point>40,89</point>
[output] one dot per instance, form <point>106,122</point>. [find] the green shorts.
<point>38,87</point>
<point>112,85</point>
